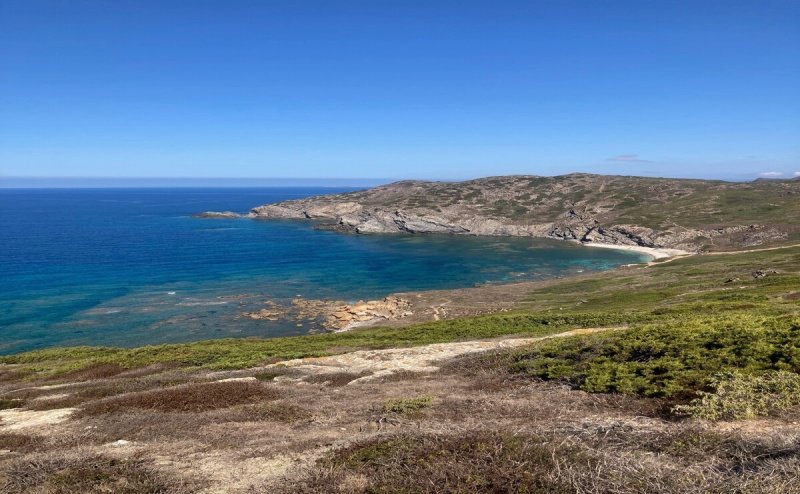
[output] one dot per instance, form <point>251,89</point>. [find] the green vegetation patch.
<point>407,406</point>
<point>8,403</point>
<point>744,396</point>
<point>243,353</point>
<point>672,359</point>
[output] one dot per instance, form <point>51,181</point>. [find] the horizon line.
<point>71,181</point>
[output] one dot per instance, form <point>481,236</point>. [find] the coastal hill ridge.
<point>687,214</point>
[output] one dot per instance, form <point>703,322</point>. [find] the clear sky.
<point>399,89</point>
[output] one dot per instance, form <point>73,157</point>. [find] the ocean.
<point>129,267</point>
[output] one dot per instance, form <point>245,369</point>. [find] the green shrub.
<point>745,396</point>
<point>7,403</point>
<point>407,406</point>
<point>673,359</point>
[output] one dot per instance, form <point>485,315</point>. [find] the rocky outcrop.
<point>341,316</point>
<point>349,316</point>
<point>273,312</point>
<point>218,214</point>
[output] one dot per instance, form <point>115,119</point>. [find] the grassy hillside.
<point>650,202</point>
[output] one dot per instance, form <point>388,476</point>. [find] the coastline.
<point>656,253</point>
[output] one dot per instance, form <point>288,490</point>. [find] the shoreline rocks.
<point>348,316</point>
<point>335,315</point>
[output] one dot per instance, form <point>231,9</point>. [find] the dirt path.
<point>380,363</point>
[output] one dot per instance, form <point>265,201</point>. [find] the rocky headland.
<point>639,212</point>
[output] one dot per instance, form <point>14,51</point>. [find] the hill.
<point>694,215</point>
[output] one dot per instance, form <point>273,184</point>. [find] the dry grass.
<point>70,473</point>
<point>20,443</point>
<point>517,435</point>
<point>186,398</point>
<point>270,411</point>
<point>335,379</point>
<point>98,371</point>
<point>80,394</point>
<point>477,462</point>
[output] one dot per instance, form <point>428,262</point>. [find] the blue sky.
<point>399,89</point>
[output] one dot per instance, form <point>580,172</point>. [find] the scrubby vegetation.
<point>186,398</point>
<point>672,359</point>
<point>407,406</point>
<point>90,474</point>
<point>475,463</point>
<point>243,353</point>
<point>745,396</point>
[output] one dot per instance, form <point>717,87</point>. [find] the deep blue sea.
<point>98,266</point>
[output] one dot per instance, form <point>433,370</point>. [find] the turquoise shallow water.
<point>98,266</point>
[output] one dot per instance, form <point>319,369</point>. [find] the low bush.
<point>674,359</point>
<point>407,406</point>
<point>92,372</point>
<point>187,398</point>
<point>87,474</point>
<point>16,442</point>
<point>743,396</point>
<point>477,462</point>
<point>8,403</point>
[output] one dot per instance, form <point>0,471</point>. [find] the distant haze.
<point>144,182</point>
<point>112,182</point>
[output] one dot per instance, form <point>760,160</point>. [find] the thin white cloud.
<point>770,174</point>
<point>796,174</point>
<point>628,158</point>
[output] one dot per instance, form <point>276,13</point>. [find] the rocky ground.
<point>284,427</point>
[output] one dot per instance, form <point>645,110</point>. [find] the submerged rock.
<point>218,214</point>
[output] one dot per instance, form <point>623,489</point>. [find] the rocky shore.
<point>335,315</point>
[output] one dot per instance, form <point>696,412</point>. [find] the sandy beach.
<point>655,253</point>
